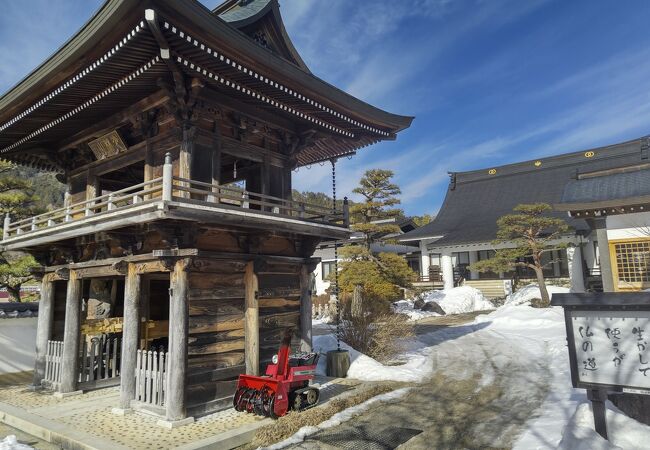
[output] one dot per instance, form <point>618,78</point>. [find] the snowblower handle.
<point>283,354</point>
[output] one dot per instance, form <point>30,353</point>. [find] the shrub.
<point>377,332</point>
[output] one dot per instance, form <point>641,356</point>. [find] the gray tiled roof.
<point>608,188</point>
<point>478,198</point>
<point>243,10</point>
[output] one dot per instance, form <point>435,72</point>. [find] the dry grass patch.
<point>288,425</point>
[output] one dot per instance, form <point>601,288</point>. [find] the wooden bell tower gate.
<point>179,256</point>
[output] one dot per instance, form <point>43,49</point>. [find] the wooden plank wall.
<point>216,330</point>
<point>216,325</point>
<point>279,306</point>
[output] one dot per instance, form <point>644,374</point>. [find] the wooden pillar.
<point>265,175</point>
<point>44,329</point>
<point>287,192</point>
<point>92,188</point>
<point>177,354</point>
<point>148,165</point>
<point>216,169</point>
<point>130,337</point>
<point>71,335</point>
<point>251,321</point>
<point>185,158</point>
<point>305,309</point>
<point>67,196</point>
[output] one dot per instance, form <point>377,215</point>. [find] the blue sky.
<point>489,81</point>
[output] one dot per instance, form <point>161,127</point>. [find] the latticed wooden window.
<point>633,261</point>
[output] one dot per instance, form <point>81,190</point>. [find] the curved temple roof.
<point>476,199</point>
<point>116,59</point>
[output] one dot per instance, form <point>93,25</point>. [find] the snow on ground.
<point>623,431</point>
<point>531,291</point>
<point>458,300</point>
<point>365,368</point>
<point>11,443</point>
<point>523,347</point>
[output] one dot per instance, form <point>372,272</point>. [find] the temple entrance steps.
<point>489,288</point>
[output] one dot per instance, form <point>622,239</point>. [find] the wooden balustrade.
<point>53,362</point>
<point>170,188</point>
<point>150,377</point>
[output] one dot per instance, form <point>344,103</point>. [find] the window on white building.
<point>327,267</point>
<point>434,259</point>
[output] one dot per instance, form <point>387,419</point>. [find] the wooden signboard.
<point>108,145</point>
<point>608,337</point>
<point>611,349</point>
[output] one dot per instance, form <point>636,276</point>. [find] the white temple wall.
<point>628,226</point>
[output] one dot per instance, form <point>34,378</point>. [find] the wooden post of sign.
<point>130,338</point>
<point>251,322</point>
<point>305,309</point>
<point>44,328</point>
<point>598,398</point>
<point>175,410</point>
<point>71,334</point>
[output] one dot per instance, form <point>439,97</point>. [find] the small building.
<point>179,257</point>
<point>615,203</point>
<point>605,190</point>
<point>325,253</point>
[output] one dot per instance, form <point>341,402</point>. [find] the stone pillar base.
<point>121,411</point>
<point>171,424</point>
<point>67,394</point>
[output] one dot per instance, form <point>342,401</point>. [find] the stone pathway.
<point>480,396</point>
<point>88,418</point>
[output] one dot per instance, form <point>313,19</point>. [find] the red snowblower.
<point>285,385</point>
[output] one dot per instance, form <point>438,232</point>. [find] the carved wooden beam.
<point>63,273</point>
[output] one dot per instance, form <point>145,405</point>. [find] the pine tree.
<point>370,216</point>
<point>18,199</point>
<point>380,276</point>
<point>422,220</point>
<point>531,233</point>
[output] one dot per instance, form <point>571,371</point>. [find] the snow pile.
<point>623,432</point>
<point>365,368</point>
<point>11,443</point>
<point>530,292</point>
<point>457,300</point>
<point>338,418</point>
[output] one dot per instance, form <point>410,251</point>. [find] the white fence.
<point>53,360</point>
<point>100,359</point>
<point>151,377</point>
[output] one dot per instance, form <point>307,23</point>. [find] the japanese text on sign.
<point>612,347</point>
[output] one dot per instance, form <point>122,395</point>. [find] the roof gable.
<point>261,21</point>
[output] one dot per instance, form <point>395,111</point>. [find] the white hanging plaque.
<point>612,348</point>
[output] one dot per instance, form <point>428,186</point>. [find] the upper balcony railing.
<point>173,190</point>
